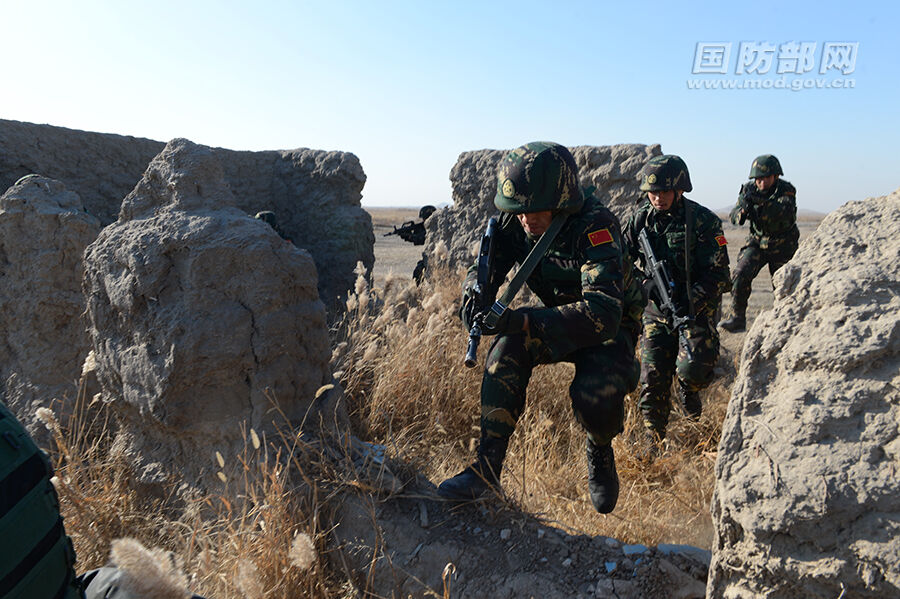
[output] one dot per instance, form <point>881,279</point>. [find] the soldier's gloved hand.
<point>469,308</point>
<point>648,289</point>
<point>511,321</point>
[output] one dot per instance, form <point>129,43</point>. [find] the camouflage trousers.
<point>750,261</point>
<point>664,355</point>
<point>604,374</point>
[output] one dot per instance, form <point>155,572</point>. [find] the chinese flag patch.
<point>721,240</point>
<point>599,237</point>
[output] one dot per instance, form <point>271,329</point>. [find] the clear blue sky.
<point>407,86</point>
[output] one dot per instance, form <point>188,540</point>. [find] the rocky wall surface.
<point>315,194</point>
<point>202,320</point>
<point>43,233</point>
<point>807,497</point>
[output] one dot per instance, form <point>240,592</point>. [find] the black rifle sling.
<point>534,256</point>
<point>688,233</point>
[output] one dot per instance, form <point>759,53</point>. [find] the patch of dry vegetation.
<point>264,535</point>
<point>401,361</point>
<point>398,353</point>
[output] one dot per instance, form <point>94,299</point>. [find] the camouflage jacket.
<point>586,288</point>
<point>772,215</point>
<point>709,273</point>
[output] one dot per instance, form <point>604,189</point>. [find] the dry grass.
<point>399,356</point>
<point>401,362</point>
<point>265,535</point>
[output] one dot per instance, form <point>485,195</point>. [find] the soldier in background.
<point>414,232</point>
<point>590,317</point>
<point>688,239</point>
<point>268,217</point>
<point>770,204</point>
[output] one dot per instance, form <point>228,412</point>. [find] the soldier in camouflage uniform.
<point>674,223</point>
<point>770,204</point>
<point>36,556</point>
<point>268,217</point>
<point>590,317</point>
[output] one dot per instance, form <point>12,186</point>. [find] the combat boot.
<point>484,473</point>
<point>603,481</point>
<point>691,401</point>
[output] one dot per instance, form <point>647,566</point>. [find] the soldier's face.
<point>535,223</point>
<point>662,200</point>
<point>764,183</point>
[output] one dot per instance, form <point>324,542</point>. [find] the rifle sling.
<point>525,270</point>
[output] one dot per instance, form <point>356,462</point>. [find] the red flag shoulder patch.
<point>720,239</point>
<point>599,237</point>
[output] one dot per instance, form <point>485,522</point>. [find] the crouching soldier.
<point>590,316</point>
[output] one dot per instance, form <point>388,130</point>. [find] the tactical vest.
<point>36,557</point>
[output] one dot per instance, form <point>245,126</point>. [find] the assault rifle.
<point>665,286</point>
<point>410,231</point>
<point>484,291</point>
<point>747,207</point>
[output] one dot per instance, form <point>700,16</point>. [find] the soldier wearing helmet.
<point>590,316</point>
<point>687,238</point>
<point>268,217</point>
<point>770,204</point>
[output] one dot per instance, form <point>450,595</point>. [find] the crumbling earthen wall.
<point>202,321</point>
<point>807,497</point>
<point>315,194</point>
<point>43,233</point>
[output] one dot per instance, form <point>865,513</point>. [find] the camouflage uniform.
<point>590,314</point>
<point>37,558</point>
<point>663,350</point>
<point>591,318</point>
<point>773,237</point>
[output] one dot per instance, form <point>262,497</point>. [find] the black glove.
<point>511,321</point>
<point>649,291</point>
<point>469,308</point>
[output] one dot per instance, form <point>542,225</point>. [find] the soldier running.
<point>770,204</point>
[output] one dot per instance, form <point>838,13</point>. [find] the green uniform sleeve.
<point>710,273</point>
<point>596,317</point>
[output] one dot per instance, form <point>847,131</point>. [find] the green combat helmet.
<point>662,173</point>
<point>536,177</point>
<point>765,165</point>
<point>426,211</point>
<point>268,217</point>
